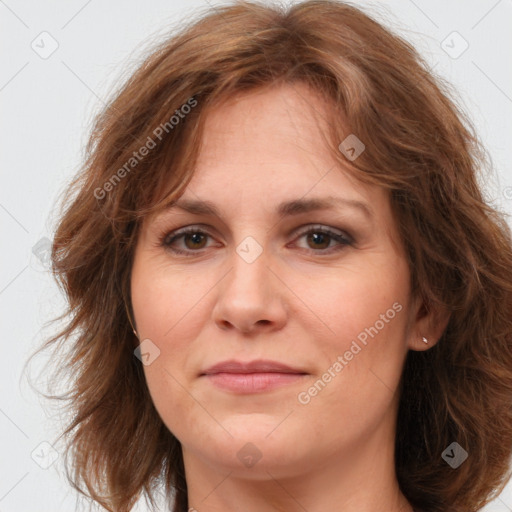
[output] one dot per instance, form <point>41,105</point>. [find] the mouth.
<point>252,377</point>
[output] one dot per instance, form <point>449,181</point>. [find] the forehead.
<point>271,140</point>
<point>284,122</point>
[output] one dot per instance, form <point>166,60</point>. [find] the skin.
<point>296,303</point>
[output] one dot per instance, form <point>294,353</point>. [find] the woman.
<point>286,290</point>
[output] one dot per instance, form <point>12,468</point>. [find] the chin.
<point>258,460</point>
<point>256,447</point>
<point>262,429</point>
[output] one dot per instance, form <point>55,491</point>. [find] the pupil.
<point>317,238</point>
<point>195,238</point>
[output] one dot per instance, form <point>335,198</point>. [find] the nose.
<point>249,298</point>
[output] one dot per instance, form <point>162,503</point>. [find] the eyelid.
<point>340,236</point>
<point>325,229</point>
<point>298,231</point>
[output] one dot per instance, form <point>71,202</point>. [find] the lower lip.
<point>253,382</point>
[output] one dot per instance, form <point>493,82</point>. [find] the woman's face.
<point>324,291</point>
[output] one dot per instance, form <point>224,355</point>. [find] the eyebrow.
<point>284,209</point>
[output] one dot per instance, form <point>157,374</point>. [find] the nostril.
<point>224,325</point>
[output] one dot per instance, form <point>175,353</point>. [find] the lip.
<point>256,366</point>
<point>253,376</point>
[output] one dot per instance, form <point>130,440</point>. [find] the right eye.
<point>192,237</point>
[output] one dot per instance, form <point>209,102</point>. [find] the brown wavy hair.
<point>420,146</point>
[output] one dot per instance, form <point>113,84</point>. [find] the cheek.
<point>176,406</point>
<point>364,329</point>
<point>163,298</point>
<point>357,302</point>
<point>163,305</point>
<point>355,388</point>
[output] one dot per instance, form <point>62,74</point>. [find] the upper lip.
<point>256,366</point>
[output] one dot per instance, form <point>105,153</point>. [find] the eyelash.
<point>167,238</point>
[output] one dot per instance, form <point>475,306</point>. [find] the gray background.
<point>48,103</point>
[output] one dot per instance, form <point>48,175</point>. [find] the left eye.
<point>194,240</point>
<point>322,237</point>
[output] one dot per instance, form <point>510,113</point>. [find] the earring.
<point>424,339</point>
<point>135,332</point>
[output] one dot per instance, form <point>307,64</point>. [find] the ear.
<point>429,323</point>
